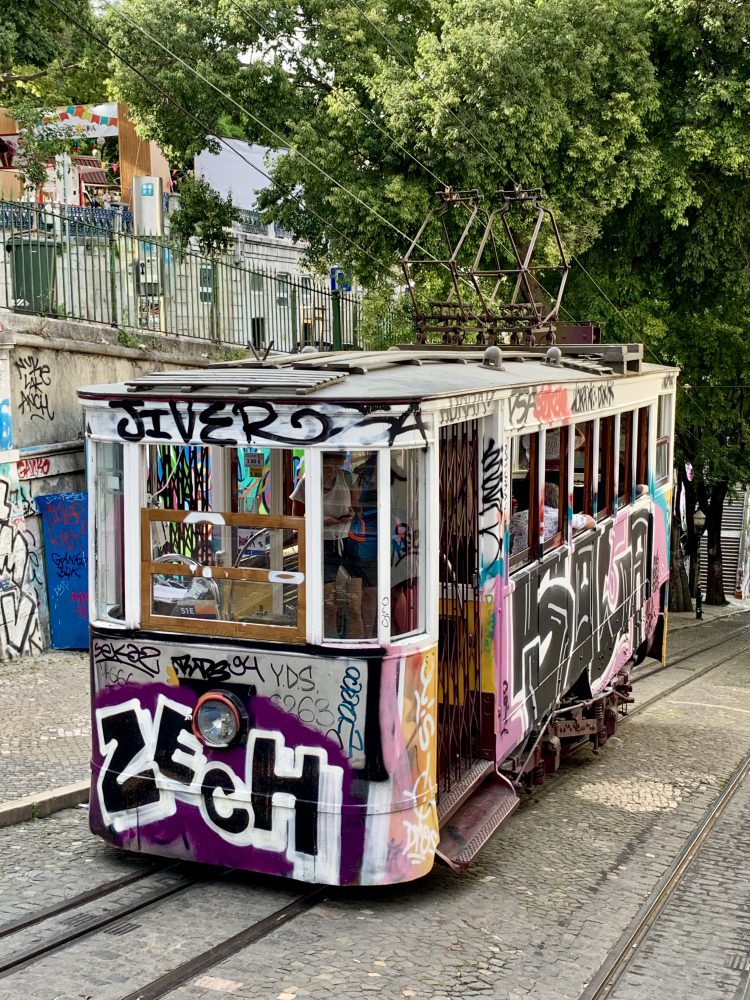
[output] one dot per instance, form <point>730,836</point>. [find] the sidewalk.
<point>45,733</point>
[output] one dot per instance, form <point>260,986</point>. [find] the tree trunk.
<point>679,591</point>
<point>714,572</point>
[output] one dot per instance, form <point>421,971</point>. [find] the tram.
<point>345,605</point>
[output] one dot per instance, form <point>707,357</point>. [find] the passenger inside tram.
<point>519,522</point>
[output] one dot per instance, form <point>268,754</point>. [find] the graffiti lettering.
<point>466,408</point>
<point>151,761</point>
<point>128,654</point>
<point>33,468</point>
<point>19,568</point>
<point>593,397</point>
<point>350,737</point>
<point>258,422</point>
<point>68,564</point>
<point>551,404</point>
<point>35,379</point>
<point>521,404</point>
<point>491,511</point>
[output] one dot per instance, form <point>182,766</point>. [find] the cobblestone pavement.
<point>534,917</point>
<point>45,737</point>
<point>700,944</point>
<point>44,701</point>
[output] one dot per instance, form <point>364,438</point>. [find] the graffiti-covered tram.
<point>342,606</point>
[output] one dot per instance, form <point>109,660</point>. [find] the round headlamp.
<point>218,719</point>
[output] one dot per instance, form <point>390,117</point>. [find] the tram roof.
<point>387,375</point>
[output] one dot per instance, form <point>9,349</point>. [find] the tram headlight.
<point>219,719</point>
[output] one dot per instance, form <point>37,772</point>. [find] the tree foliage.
<point>46,57</point>
<point>634,116</point>
<point>202,213</point>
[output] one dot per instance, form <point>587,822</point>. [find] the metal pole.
<point>336,309</point>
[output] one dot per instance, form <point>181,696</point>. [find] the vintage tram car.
<point>344,605</point>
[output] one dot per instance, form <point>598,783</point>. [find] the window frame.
<point>624,494</point>
<point>663,415</point>
<point>211,626</point>
<point>607,508</point>
<point>516,560</point>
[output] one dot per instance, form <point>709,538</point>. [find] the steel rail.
<point>633,937</point>
<point>23,958</point>
<point>694,676</point>
<point>73,902</point>
<point>687,656</point>
<point>207,959</point>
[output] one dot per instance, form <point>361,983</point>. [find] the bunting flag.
<point>93,120</point>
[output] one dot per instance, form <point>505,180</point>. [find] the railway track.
<point>56,934</point>
<point>177,879</point>
<point>611,970</point>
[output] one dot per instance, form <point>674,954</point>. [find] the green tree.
<point>202,213</point>
<point>675,259</point>
<point>43,55</point>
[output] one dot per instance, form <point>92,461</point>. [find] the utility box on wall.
<point>148,206</point>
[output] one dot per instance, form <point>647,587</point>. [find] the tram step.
<point>479,817</point>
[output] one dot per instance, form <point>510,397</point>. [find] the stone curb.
<point>43,803</point>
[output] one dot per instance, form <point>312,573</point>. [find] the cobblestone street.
<point>46,735</point>
<point>534,917</point>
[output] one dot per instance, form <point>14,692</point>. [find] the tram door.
<point>459,673</point>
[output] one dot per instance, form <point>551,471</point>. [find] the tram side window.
<point>605,488</point>
<point>663,427</point>
<point>583,468</point>
<point>641,454</point>
<point>109,552</point>
<point>524,536</point>
<point>625,460</point>
<point>555,486</point>
<point>227,508</point>
<point>407,552</point>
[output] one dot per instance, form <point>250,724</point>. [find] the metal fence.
<point>86,264</point>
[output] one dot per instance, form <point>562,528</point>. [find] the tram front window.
<point>219,543</point>
<point>350,543</point>
<point>109,553</point>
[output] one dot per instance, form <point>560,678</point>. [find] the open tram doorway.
<point>460,761</point>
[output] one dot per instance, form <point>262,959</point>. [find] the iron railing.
<point>85,264</point>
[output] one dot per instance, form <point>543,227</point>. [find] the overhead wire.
<point>207,131</point>
<point>117,9</point>
<point>422,79</point>
<point>266,30</point>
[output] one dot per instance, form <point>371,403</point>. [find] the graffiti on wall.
<point>19,566</point>
<point>65,525</point>
<point>296,798</point>
<point>35,379</point>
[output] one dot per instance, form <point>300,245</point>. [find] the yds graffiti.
<point>329,694</point>
<point>18,602</point>
<point>152,762</point>
<point>243,424</point>
<point>668,382</point>
<point>593,397</point>
<point>521,404</point>
<point>35,379</point>
<point>33,468</point>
